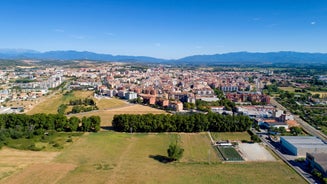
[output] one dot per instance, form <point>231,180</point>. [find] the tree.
<point>295,130</point>
<point>255,138</point>
<point>175,151</point>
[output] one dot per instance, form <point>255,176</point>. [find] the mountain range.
<point>227,58</point>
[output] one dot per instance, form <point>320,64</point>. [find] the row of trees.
<point>80,108</point>
<point>39,123</point>
<point>86,101</point>
<point>181,123</point>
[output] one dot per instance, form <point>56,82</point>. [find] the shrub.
<point>175,152</point>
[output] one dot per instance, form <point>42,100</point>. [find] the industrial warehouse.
<point>300,145</point>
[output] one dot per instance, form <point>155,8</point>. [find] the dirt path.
<point>114,176</point>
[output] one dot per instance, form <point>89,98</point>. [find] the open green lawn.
<point>232,136</point>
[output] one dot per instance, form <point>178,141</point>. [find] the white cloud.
<point>313,23</point>
<point>198,47</point>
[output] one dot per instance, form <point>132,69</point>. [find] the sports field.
<point>110,157</point>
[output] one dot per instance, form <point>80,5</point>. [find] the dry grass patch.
<point>12,160</point>
<point>321,94</point>
<point>40,173</point>
<point>289,89</point>
<point>109,157</point>
<point>198,148</point>
<point>49,104</point>
<point>105,103</point>
<point>107,115</point>
<point>232,136</point>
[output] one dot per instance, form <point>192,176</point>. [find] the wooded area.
<point>181,123</point>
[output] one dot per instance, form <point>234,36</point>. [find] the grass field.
<point>104,103</point>
<point>50,104</point>
<point>107,115</point>
<point>13,161</point>
<point>110,157</point>
<point>289,89</point>
<point>321,94</point>
<point>51,142</point>
<point>292,89</point>
<point>229,153</point>
<point>232,136</point>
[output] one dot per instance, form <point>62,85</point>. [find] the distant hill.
<point>227,58</point>
<point>71,55</point>
<point>256,58</point>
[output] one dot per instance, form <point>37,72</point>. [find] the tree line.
<point>39,123</point>
<point>181,123</point>
<point>86,101</point>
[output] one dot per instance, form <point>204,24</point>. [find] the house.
<point>177,106</point>
<point>130,95</point>
<point>271,123</point>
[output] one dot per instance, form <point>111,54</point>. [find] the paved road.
<point>307,176</point>
<point>308,128</point>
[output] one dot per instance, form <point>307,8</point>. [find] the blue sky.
<point>164,28</point>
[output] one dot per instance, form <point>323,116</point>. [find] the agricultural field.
<point>110,157</point>
<point>231,136</point>
<point>107,115</point>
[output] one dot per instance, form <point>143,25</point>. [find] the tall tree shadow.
<point>160,158</point>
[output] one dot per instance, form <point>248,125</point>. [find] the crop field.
<point>107,115</point>
<point>231,136</point>
<point>229,153</point>
<point>110,157</point>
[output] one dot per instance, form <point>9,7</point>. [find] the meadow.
<point>111,157</point>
